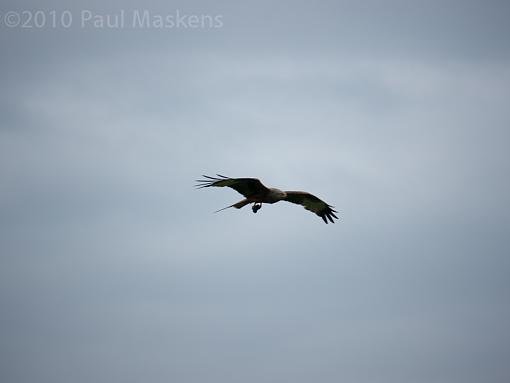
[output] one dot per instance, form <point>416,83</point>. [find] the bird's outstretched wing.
<point>312,203</point>
<point>248,187</point>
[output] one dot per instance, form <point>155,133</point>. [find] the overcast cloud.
<point>114,269</point>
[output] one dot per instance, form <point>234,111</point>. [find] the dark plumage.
<point>255,192</point>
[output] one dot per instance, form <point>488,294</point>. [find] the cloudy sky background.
<point>113,268</point>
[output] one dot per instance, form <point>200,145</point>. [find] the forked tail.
<point>237,205</point>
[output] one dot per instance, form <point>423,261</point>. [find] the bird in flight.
<point>255,192</point>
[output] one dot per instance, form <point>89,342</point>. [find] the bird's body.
<point>255,192</point>
<point>273,195</point>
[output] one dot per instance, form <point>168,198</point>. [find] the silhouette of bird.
<point>255,192</point>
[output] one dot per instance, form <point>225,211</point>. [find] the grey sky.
<point>113,268</point>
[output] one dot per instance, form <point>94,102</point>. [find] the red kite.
<point>255,192</point>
